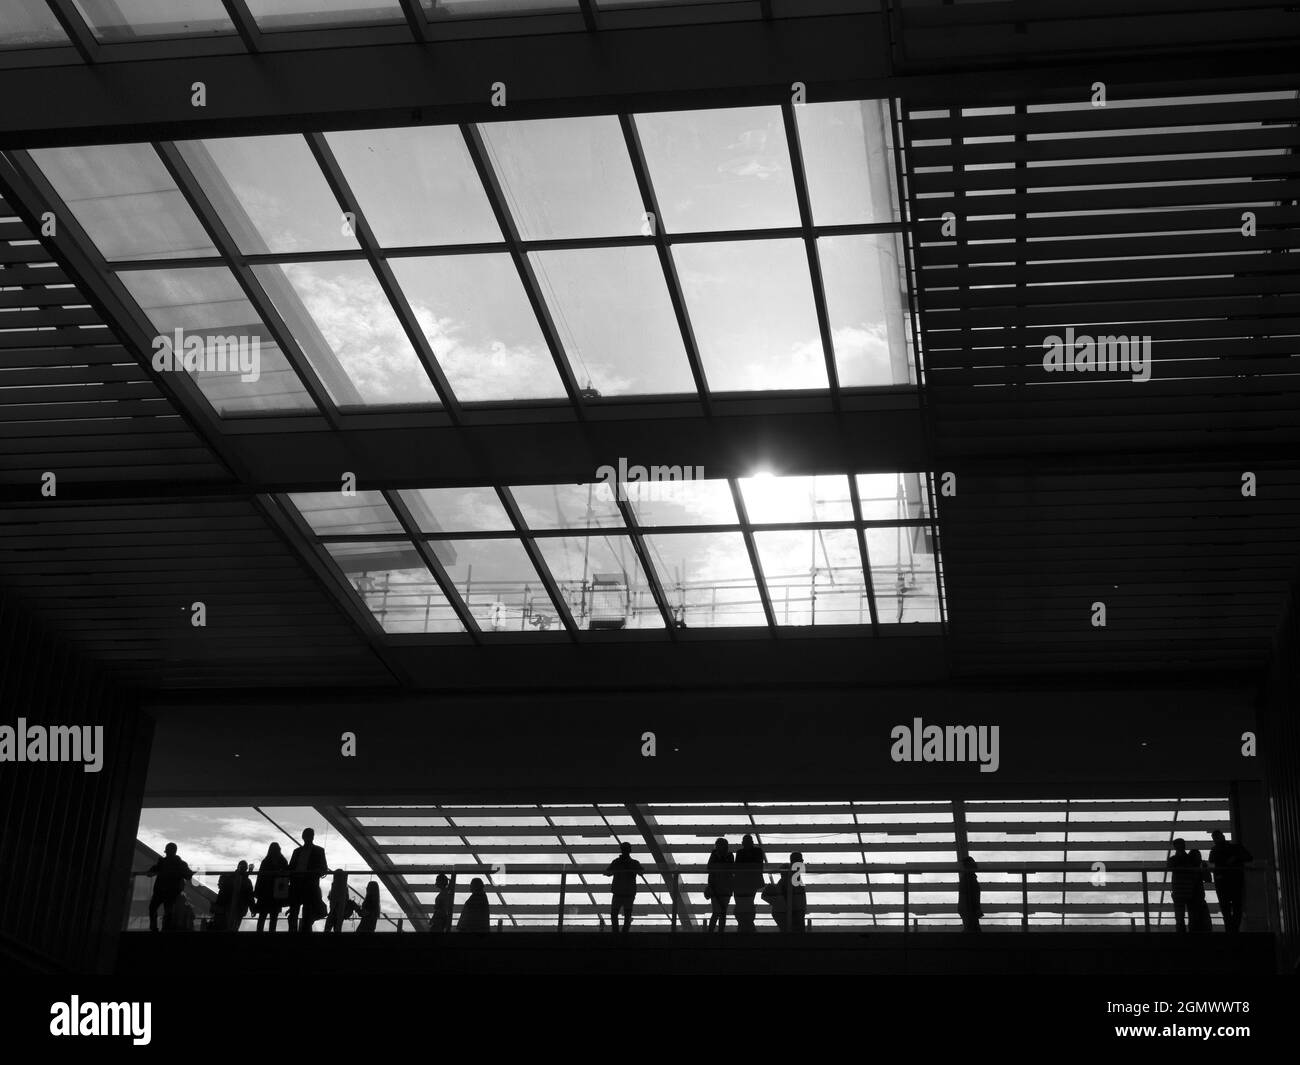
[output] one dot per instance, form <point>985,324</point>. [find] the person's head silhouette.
<point>274,848</point>
<point>720,844</point>
<point>308,835</point>
<point>1217,836</point>
<point>626,849</point>
<point>476,886</point>
<point>440,880</point>
<point>170,849</point>
<point>746,841</point>
<point>242,867</point>
<point>1180,846</point>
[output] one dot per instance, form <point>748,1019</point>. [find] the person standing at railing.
<point>440,919</point>
<point>624,869</point>
<point>969,905</point>
<point>748,881</point>
<point>369,909</point>
<point>1187,888</point>
<point>794,896</point>
<point>341,904</point>
<point>170,873</point>
<point>475,915</point>
<point>718,891</point>
<point>271,893</point>
<point>307,865</point>
<point>234,899</point>
<point>1228,860</point>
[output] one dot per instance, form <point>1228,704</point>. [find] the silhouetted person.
<point>440,919</point>
<point>169,873</point>
<point>624,869</point>
<point>368,911</point>
<point>795,896</point>
<point>721,873</point>
<point>234,899</point>
<point>747,882</point>
<point>1228,860</point>
<point>1187,888</point>
<point>271,893</point>
<point>307,865</point>
<point>341,904</point>
<point>475,915</point>
<point>968,896</point>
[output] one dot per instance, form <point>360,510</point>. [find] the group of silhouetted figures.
<point>1188,875</point>
<point>732,876</point>
<point>295,885</point>
<point>292,884</point>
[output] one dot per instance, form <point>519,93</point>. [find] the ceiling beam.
<point>552,75</point>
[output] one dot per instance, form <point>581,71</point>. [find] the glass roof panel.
<point>865,304</point>
<point>499,584</point>
<point>893,496</point>
<point>208,302</point>
<point>270,192</point>
<point>615,320</point>
<point>566,177</point>
<point>336,514</point>
<point>720,169</point>
<point>416,186</point>
<point>694,502</point>
<point>29,24</point>
<point>814,577</point>
<point>903,574</point>
<point>435,9</point>
<point>347,328</point>
<point>273,15</point>
<point>441,510</point>
<point>125,20</point>
<point>601,579</point>
<point>567,506</point>
<point>846,161</point>
<point>396,587</point>
<point>751,306</point>
<point>476,315</point>
<point>707,578</point>
<point>125,200</point>
<point>770,499</point>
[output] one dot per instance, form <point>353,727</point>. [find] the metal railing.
<point>918,897</point>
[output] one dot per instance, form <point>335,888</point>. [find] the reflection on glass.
<point>707,578</point>
<point>893,496</point>
<point>396,587</point>
<point>336,514</point>
<point>770,499</point>
<point>124,20</point>
<point>865,304</point>
<point>308,14</point>
<point>125,200</point>
<point>751,306</point>
<point>483,8</point>
<point>566,177</point>
<point>721,169</point>
<point>416,186</point>
<point>814,577</point>
<point>846,161</point>
<point>696,502</point>
<point>600,578</point>
<point>568,506</point>
<point>29,24</point>
<point>438,510</point>
<point>270,193</point>
<point>615,320</point>
<point>476,315</point>
<point>903,574</point>
<point>347,328</point>
<point>208,303</point>
<point>498,583</point>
